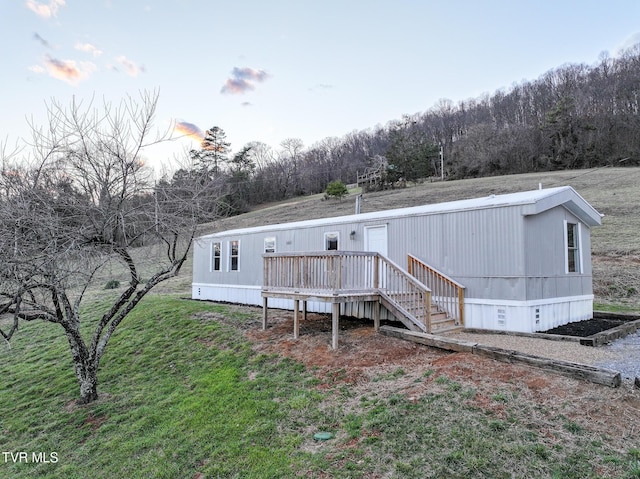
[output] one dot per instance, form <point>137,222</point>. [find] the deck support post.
<point>335,317</point>
<point>304,310</point>
<point>296,318</point>
<point>264,312</point>
<point>376,316</point>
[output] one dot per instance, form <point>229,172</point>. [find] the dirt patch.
<point>359,345</point>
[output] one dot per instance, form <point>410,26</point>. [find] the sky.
<point>272,70</point>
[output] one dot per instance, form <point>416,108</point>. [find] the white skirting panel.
<point>527,316</point>
<point>240,294</point>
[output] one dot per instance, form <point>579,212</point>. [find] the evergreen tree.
<point>213,150</point>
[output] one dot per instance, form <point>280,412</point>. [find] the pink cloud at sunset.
<point>68,71</point>
<point>190,130</point>
<point>243,80</point>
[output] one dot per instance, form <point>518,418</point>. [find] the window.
<point>331,241</point>
<point>270,244</point>
<point>572,242</point>
<point>216,256</point>
<point>234,255</point>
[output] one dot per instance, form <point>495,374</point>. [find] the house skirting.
<point>527,316</point>
<point>507,315</point>
<point>241,294</point>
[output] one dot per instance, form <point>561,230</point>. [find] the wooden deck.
<point>338,277</point>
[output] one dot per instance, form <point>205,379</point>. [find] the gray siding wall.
<point>252,248</point>
<point>546,261</point>
<point>482,249</point>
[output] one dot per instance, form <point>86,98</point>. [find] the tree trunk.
<point>85,368</point>
<point>88,385</point>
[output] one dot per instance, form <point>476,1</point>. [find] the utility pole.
<point>441,164</point>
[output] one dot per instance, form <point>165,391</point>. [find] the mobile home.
<point>522,261</point>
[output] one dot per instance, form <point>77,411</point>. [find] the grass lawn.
<point>185,396</point>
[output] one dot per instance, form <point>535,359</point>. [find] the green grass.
<point>616,308</point>
<point>183,395</point>
<point>176,401</point>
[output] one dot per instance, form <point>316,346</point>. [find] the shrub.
<point>336,189</point>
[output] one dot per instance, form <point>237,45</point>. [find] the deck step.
<point>447,329</point>
<point>405,304</point>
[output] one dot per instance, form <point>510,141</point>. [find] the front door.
<point>375,239</point>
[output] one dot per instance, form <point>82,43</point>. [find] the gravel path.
<point>621,355</point>
<point>625,354</point>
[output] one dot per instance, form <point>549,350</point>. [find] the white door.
<point>375,239</point>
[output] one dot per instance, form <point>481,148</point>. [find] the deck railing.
<point>324,271</point>
<point>339,272</point>
<point>446,293</point>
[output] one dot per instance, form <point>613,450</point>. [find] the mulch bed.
<point>585,328</point>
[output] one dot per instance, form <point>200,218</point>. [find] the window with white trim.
<point>572,248</point>
<point>234,255</point>
<point>331,241</point>
<point>216,256</point>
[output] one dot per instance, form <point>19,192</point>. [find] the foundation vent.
<point>501,316</point>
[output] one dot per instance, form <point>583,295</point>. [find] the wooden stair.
<point>442,323</point>
<point>413,316</point>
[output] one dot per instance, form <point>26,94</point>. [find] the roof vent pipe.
<point>539,186</point>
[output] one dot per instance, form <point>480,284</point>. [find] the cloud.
<point>88,48</point>
<point>249,74</point>
<point>37,69</point>
<point>66,70</point>
<point>243,80</point>
<point>190,130</point>
<point>45,10</point>
<point>41,40</point>
<point>130,67</point>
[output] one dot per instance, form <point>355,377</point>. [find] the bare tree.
<point>75,210</point>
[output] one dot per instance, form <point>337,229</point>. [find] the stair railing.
<point>447,293</point>
<point>407,293</point>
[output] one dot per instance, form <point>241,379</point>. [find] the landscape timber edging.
<point>609,335</point>
<point>606,377</point>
